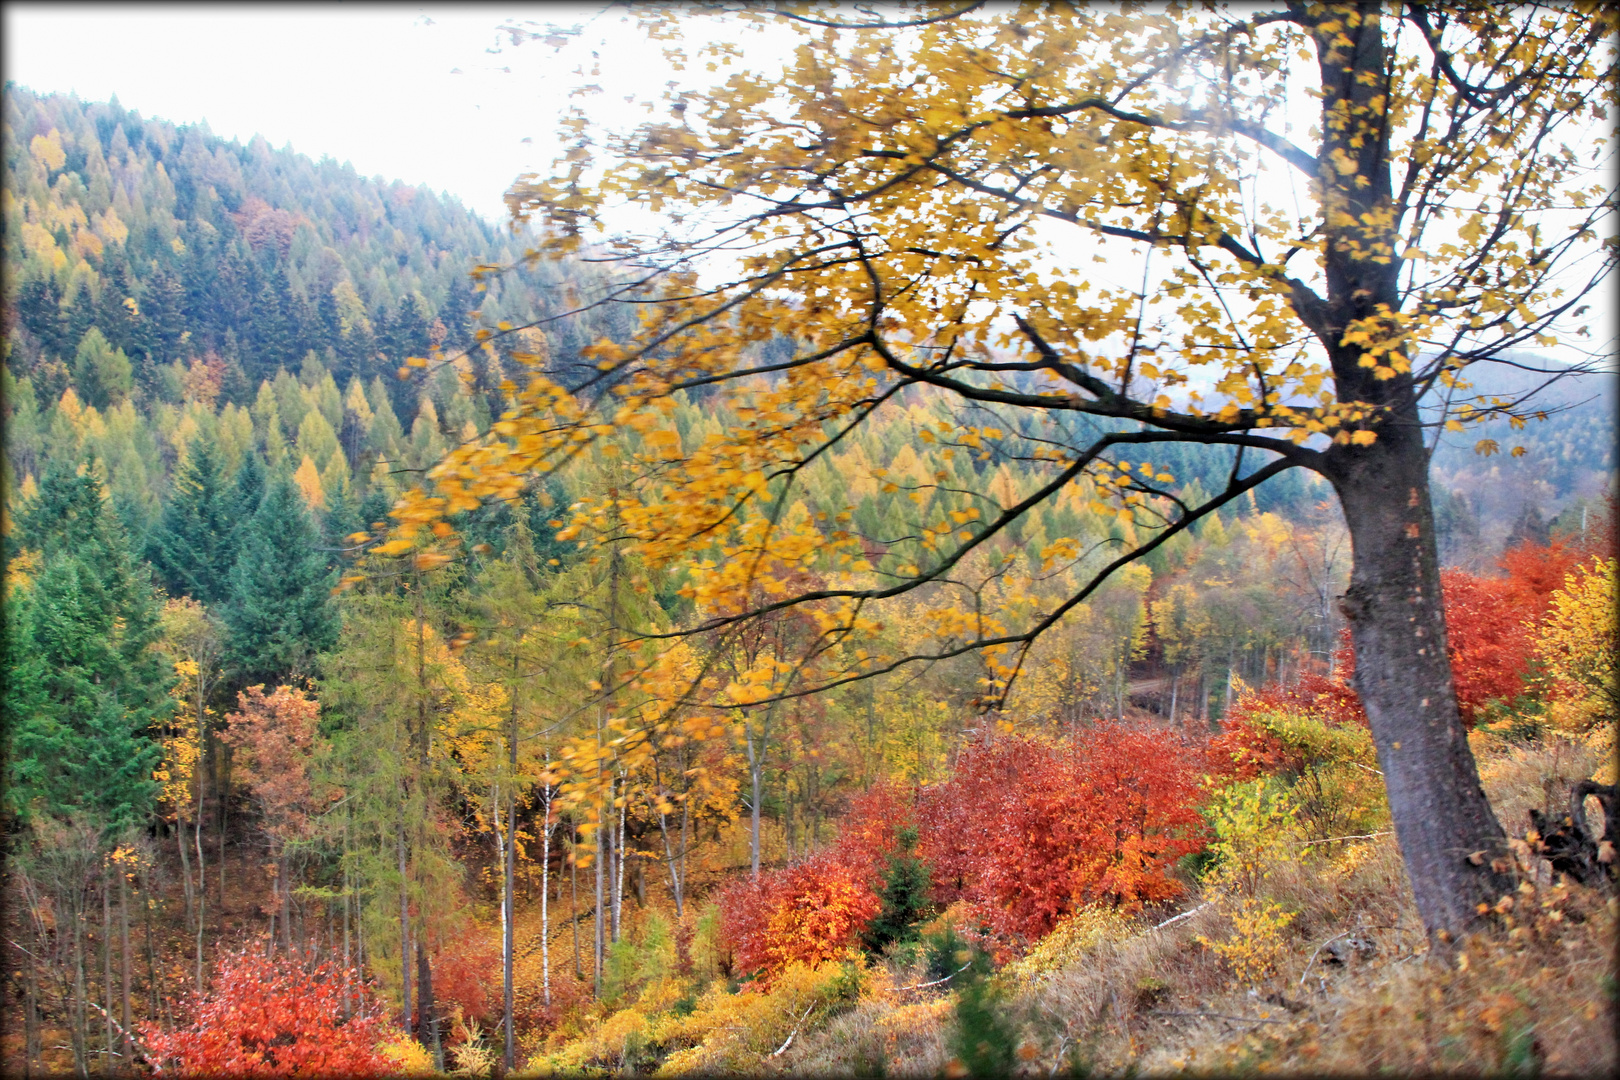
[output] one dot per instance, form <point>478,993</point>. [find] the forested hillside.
<point>256,767</point>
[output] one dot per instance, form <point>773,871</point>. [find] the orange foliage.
<point>1491,625</point>
<point>810,912</point>
<point>467,973</point>
<point>276,730</point>
<point>270,1017</point>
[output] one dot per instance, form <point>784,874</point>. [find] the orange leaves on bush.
<point>270,1017</point>
<point>1491,628</point>
<point>1030,830</point>
<point>810,912</point>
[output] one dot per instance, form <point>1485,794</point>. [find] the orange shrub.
<point>270,1017</point>
<point>1030,831</point>
<point>810,912</point>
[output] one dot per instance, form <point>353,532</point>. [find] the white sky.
<point>374,85</point>
<point>407,92</point>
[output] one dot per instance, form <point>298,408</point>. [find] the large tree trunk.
<point>1403,674</point>
<point>1393,604</point>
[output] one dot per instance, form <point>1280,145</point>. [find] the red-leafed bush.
<point>1030,831</point>
<point>1490,633</point>
<point>270,1017</point>
<point>871,828</point>
<point>465,969</point>
<point>810,912</point>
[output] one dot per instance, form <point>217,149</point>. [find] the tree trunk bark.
<point>123,957</point>
<point>185,867</point>
<point>424,1004</point>
<point>545,912</point>
<point>221,791</point>
<point>573,894</point>
<point>1403,674</point>
<point>404,932</point>
<point>598,925</point>
<point>106,965</point>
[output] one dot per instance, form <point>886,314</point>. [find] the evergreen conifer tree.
<point>246,493</point>
<point>280,615</point>
<point>194,546</point>
<point>904,894</point>
<point>80,636</point>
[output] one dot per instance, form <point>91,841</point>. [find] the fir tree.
<point>84,630</point>
<point>905,897</point>
<point>194,546</point>
<point>280,615</point>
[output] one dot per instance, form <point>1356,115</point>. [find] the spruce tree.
<point>280,615</point>
<point>79,640</point>
<point>194,546</point>
<point>904,895</point>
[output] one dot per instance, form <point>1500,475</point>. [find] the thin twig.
<point>1332,839</point>
<point>780,1050</point>
<point>1184,915</point>
<point>1222,1016</point>
<point>1306,973</point>
<point>936,982</point>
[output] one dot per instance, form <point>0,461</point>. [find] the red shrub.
<point>1030,830</point>
<point>1490,627</point>
<point>270,1017</point>
<point>465,970</point>
<point>809,912</point>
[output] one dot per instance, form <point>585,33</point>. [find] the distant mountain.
<point>176,244</point>
<point>1568,460</point>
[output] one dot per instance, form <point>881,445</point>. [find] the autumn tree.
<point>275,732</point>
<point>923,201</point>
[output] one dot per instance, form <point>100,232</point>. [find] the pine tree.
<point>280,615</point>
<point>194,546</point>
<point>103,373</point>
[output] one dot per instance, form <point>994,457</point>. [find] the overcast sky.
<point>428,94</point>
<point>408,92</point>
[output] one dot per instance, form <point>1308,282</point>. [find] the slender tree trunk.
<point>1175,685</point>
<point>618,866</point>
<point>286,903</point>
<point>404,930</point>
<point>573,896</point>
<point>202,800</point>
<point>31,1020</point>
<point>755,745</point>
<point>185,867</point>
<point>599,923</point>
<point>1226,698</point>
<point>425,1003</point>
<point>545,906</point>
<point>222,791</point>
<point>123,957</point>
<point>81,1037</point>
<point>348,963</point>
<point>154,989</point>
<point>106,966</point>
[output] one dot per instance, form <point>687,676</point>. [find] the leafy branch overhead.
<point>923,205</point>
